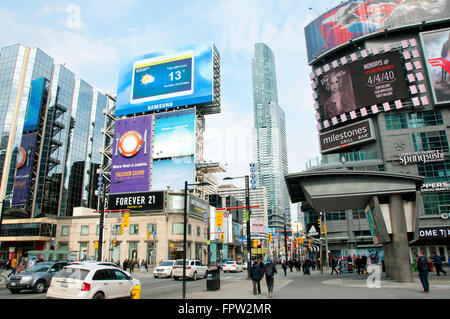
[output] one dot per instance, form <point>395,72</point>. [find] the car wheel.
<point>194,276</point>
<point>99,295</point>
<point>39,287</point>
<point>14,291</point>
<point>155,276</point>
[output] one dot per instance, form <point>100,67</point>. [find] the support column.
<point>400,246</point>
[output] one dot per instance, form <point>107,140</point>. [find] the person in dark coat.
<point>422,267</point>
<point>307,266</point>
<point>291,264</point>
<point>125,264</point>
<point>256,275</point>
<point>284,266</point>
<point>270,270</point>
<point>333,266</point>
<point>438,264</point>
<point>297,264</point>
<point>358,264</point>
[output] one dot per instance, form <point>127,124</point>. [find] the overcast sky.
<point>92,37</point>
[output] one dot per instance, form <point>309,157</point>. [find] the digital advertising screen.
<point>436,48</point>
<point>34,105</point>
<point>24,169</point>
<point>166,79</point>
<point>131,158</point>
<point>172,172</point>
<point>174,134</point>
<point>358,18</point>
<point>372,80</point>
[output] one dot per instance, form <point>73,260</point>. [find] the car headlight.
<point>26,278</point>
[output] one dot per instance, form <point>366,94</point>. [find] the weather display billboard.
<point>24,169</point>
<point>131,158</point>
<point>436,47</point>
<point>166,79</point>
<point>34,105</point>
<point>365,82</point>
<point>358,18</point>
<point>173,173</point>
<point>174,134</point>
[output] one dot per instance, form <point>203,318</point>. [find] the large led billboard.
<point>24,169</point>
<point>436,47</point>
<point>131,158</point>
<point>174,134</point>
<point>34,105</point>
<point>166,79</point>
<point>355,19</point>
<point>372,80</point>
<point>173,173</point>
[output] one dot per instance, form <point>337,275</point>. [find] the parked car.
<point>102,263</point>
<point>233,266</point>
<point>36,278</point>
<point>194,269</point>
<point>92,281</point>
<point>244,265</point>
<point>164,269</point>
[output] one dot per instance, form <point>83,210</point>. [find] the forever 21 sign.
<point>137,201</point>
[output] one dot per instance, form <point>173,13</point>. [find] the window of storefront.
<point>198,251</point>
<point>132,250</point>
<point>151,253</point>
<point>83,250</point>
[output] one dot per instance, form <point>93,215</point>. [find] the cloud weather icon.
<point>147,79</point>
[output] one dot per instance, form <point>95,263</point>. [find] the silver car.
<point>36,278</point>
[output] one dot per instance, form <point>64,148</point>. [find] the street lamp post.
<point>186,184</point>
<point>248,214</point>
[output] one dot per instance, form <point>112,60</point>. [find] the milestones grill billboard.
<point>373,80</point>
<point>349,135</point>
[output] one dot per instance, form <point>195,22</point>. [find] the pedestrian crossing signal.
<point>324,229</point>
<point>121,229</point>
<point>148,234</point>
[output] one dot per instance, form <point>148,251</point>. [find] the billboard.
<point>436,48</point>
<point>166,79</point>
<point>24,169</point>
<point>34,105</point>
<point>355,19</point>
<point>137,201</point>
<point>346,136</point>
<point>174,134</point>
<point>172,172</point>
<point>372,80</point>
<point>131,158</point>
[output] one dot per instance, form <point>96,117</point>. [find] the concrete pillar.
<point>389,261</point>
<point>400,246</point>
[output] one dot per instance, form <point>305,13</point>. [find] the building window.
<point>189,228</point>
<point>84,230</point>
<point>426,118</point>
<point>133,250</point>
<point>134,229</point>
<point>198,231</point>
<point>430,141</point>
<point>83,252</point>
<point>435,172</point>
<point>151,228</point>
<point>64,230</point>
<point>395,121</point>
<point>335,216</point>
<point>434,204</point>
<point>358,214</point>
<point>177,228</point>
<point>361,233</point>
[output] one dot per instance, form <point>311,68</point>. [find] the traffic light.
<point>148,234</point>
<point>269,237</point>
<point>255,243</point>
<point>121,229</point>
<point>310,241</point>
<point>320,222</point>
<point>126,219</point>
<point>114,243</point>
<point>222,238</point>
<point>297,240</point>
<point>325,230</point>
<point>96,245</point>
<point>301,240</point>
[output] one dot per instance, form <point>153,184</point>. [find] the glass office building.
<point>50,124</point>
<point>270,146</point>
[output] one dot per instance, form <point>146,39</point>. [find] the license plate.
<point>64,285</point>
<point>13,284</point>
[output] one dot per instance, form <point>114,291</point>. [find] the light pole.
<point>248,214</point>
<point>186,184</point>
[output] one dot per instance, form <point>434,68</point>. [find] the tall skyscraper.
<point>270,146</point>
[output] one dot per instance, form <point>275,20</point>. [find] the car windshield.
<point>72,273</point>
<point>230,262</point>
<point>167,263</point>
<point>39,268</point>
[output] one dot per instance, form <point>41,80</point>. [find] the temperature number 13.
<point>175,76</point>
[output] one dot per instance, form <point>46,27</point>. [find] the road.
<point>159,288</point>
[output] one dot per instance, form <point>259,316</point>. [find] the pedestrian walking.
<point>270,270</point>
<point>13,266</point>
<point>131,266</point>
<point>364,264</point>
<point>422,267</point>
<point>291,264</point>
<point>339,263</point>
<point>438,264</point>
<point>146,265</point>
<point>256,275</point>
<point>333,266</point>
<point>284,266</point>
<point>313,264</point>
<point>358,265</point>
<point>307,267</point>
<point>125,264</point>
<point>297,264</point>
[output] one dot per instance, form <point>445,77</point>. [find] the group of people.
<point>130,264</point>
<point>305,266</point>
<point>257,272</point>
<point>423,267</point>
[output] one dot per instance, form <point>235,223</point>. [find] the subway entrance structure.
<point>391,201</point>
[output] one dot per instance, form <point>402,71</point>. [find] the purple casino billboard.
<point>23,169</point>
<point>356,19</point>
<point>131,158</point>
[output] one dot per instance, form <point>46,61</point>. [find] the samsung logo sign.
<point>421,157</point>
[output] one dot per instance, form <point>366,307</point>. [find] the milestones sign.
<point>346,136</point>
<point>146,201</point>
